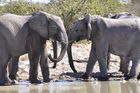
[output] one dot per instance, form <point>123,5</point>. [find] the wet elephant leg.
<point>124,65</point>
<point>4,58</point>
<point>134,71</point>
<point>101,53</point>
<point>3,68</point>
<point>33,72</point>
<point>54,43</point>
<point>91,62</point>
<point>13,67</point>
<point>44,65</point>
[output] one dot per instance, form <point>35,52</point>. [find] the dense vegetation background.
<point>70,10</point>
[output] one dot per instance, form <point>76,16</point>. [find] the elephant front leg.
<point>44,65</point>
<point>3,69</point>
<point>33,72</point>
<point>101,53</point>
<point>91,62</point>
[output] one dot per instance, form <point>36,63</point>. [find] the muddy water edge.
<point>74,87</point>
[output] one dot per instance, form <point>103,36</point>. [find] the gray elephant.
<point>26,34</point>
<point>124,62</point>
<point>118,37</point>
<point>120,15</point>
<point>13,64</point>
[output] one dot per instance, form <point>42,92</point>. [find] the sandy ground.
<point>63,71</point>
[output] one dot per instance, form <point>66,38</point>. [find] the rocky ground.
<point>63,71</point>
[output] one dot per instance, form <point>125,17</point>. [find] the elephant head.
<point>121,15</point>
<point>50,27</point>
<point>81,30</point>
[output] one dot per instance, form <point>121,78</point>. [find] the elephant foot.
<point>138,77</point>
<point>120,70</point>
<point>103,78</point>
<point>36,81</point>
<point>2,84</point>
<point>7,81</point>
<point>14,82</point>
<point>125,75</point>
<point>128,77</point>
<point>47,80</point>
<point>12,77</point>
<point>85,76</point>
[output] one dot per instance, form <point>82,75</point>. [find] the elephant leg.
<point>134,71</point>
<point>13,67</point>
<point>54,43</point>
<point>91,62</point>
<point>44,65</point>
<point>33,72</point>
<point>101,53</point>
<point>4,58</point>
<point>124,64</point>
<point>138,77</point>
<point>108,60</point>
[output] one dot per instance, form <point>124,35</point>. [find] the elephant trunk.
<point>64,45</point>
<point>70,58</point>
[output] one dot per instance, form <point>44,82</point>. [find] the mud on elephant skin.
<point>109,35</point>
<point>15,32</point>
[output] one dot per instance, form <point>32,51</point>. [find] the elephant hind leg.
<point>134,71</point>
<point>13,67</point>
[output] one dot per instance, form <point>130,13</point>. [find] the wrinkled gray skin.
<point>122,63</point>
<point>26,34</point>
<point>119,37</point>
<point>13,65</point>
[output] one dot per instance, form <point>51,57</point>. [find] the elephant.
<point>124,63</point>
<point>120,15</point>
<point>28,34</point>
<point>13,64</point>
<point>119,37</point>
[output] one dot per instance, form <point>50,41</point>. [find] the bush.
<point>68,10</point>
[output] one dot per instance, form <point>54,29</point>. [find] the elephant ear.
<point>39,23</point>
<point>88,19</point>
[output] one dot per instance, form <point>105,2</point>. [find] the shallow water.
<point>74,87</point>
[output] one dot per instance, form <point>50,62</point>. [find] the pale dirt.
<point>63,71</point>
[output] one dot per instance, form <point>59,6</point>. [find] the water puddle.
<point>74,87</point>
